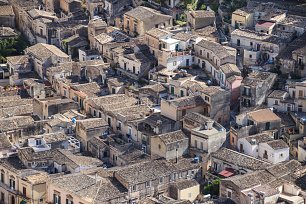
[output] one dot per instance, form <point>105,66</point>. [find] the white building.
<point>250,145</point>
<point>274,151</point>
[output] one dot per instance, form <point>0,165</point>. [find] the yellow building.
<point>241,18</point>
<point>21,185</point>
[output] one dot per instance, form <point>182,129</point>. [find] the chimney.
<point>209,124</point>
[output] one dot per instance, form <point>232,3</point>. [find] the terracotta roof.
<point>263,115</point>
<point>6,10</point>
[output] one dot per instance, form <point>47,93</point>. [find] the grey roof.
<point>90,89</point>
<point>146,171</point>
<point>257,36</point>
<point>241,160</point>
<point>172,137</point>
<point>44,51</point>
<point>251,179</point>
<point>15,123</point>
<point>13,163</point>
<point>183,36</point>
<point>188,101</point>
<point>280,94</point>
<point>216,48</point>
<point>99,191</point>
<point>277,144</point>
<point>91,123</point>
<point>144,13</point>
<point>157,32</point>
<point>259,138</point>
<point>184,184</point>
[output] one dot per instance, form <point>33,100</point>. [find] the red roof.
<point>227,172</point>
<point>265,23</point>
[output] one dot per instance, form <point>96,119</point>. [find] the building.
<point>274,184</point>
<point>200,19</point>
<point>256,48</point>
<point>170,145</point>
<point>19,184</point>
<point>43,56</point>
<point>211,55</point>
<point>262,120</point>
<point>234,163</point>
<point>35,88</point>
<point>143,179</point>
<point>89,128</point>
<point>292,59</point>
<point>141,19</point>
<point>45,108</point>
<point>264,146</point>
<point>242,18</point>
<point>206,135</point>
<point>255,88</point>
<point>7,16</point>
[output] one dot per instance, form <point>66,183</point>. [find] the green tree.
<point>213,188</point>
<point>12,46</point>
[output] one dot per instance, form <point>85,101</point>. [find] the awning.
<point>227,173</point>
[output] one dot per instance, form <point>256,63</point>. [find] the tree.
<point>213,188</point>
<point>12,46</point>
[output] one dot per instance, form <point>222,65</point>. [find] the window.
<point>174,63</point>
<point>2,176</point>
<point>250,56</point>
<point>182,93</point>
<point>206,98</point>
<point>281,155</point>
<point>159,146</point>
<point>119,126</point>
<point>172,90</point>
<point>229,193</point>
<point>300,108</point>
<point>109,121</point>
<point>95,113</point>
<point>68,201</point>
<point>300,93</point>
<point>196,143</point>
<point>12,183</point>
<point>124,65</point>
<point>2,197</point>
<point>251,44</point>
<point>202,145</point>
<point>268,124</point>
<point>148,184</point>
<point>24,191</point>
<point>276,102</point>
<point>38,142</point>
<point>134,69</point>
<point>56,199</point>
<point>207,55</point>
<point>238,42</point>
<point>201,52</point>
<point>161,180</point>
<point>134,188</point>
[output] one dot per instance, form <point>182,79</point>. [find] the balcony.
<point>8,188</point>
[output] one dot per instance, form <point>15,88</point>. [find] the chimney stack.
<point>209,124</point>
